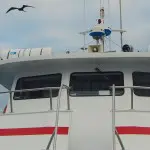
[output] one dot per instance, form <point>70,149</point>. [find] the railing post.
<point>51,103</point>
<point>113,118</point>
<point>11,103</point>
<point>50,141</point>
<point>57,116</point>
<point>68,100</point>
<point>119,139</point>
<point>132,99</point>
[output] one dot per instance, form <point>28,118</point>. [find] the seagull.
<point>20,9</point>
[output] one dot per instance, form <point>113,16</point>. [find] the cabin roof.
<point>119,56</point>
<point>9,68</point>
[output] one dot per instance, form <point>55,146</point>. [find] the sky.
<point>57,23</point>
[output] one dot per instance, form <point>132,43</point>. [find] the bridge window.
<point>141,79</point>
<point>52,80</point>
<point>95,83</point>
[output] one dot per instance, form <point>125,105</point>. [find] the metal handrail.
<point>50,141</point>
<point>120,141</point>
<point>57,116</point>
<point>131,87</point>
<point>37,89</point>
<point>113,118</point>
<point>115,133</point>
<point>54,135</point>
<point>132,91</point>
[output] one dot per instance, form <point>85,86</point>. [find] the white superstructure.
<point>90,100</point>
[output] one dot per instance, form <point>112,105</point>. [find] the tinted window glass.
<point>95,83</point>
<point>141,79</point>
<point>53,80</point>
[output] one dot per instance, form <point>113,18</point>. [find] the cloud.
<point>57,23</point>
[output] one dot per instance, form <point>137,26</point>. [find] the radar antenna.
<point>99,31</point>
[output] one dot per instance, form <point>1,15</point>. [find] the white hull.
<point>90,118</point>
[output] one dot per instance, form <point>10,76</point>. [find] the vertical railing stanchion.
<point>11,103</point>
<point>57,117</point>
<point>68,100</point>
<point>51,103</point>
<point>120,141</point>
<point>132,99</point>
<point>113,117</point>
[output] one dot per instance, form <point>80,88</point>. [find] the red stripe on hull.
<point>33,131</point>
<point>133,130</point>
<point>64,131</point>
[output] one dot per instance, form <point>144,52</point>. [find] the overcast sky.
<point>56,23</point>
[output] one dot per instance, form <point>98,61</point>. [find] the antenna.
<point>99,31</point>
<point>84,24</point>
<point>109,17</point>
<point>121,33</point>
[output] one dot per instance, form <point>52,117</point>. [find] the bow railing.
<point>131,109</point>
<point>37,89</point>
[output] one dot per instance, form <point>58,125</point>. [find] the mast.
<point>102,15</point>
<point>109,23</point>
<point>99,31</point>
<point>121,33</point>
<point>84,15</point>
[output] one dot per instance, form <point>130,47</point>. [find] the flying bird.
<point>20,9</point>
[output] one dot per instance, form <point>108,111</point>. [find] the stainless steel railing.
<point>120,141</point>
<point>57,116</point>
<point>114,110</point>
<point>113,118</point>
<point>132,90</point>
<point>54,135</point>
<point>114,131</point>
<point>37,89</point>
<point>50,141</point>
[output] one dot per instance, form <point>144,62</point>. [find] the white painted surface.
<point>91,126</point>
<point>46,119</point>
<point>33,142</point>
<point>27,52</point>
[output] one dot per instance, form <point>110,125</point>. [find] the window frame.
<point>39,75</point>
<point>135,93</point>
<point>84,95</point>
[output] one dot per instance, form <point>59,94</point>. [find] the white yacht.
<point>88,100</point>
